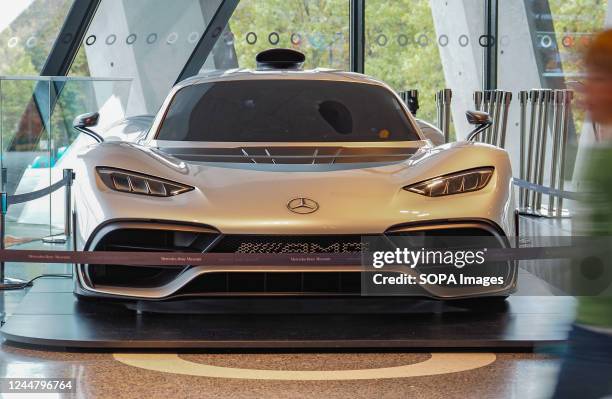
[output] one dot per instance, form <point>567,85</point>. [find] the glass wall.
<point>320,29</point>
<point>549,38</point>
<point>37,141</point>
<point>148,41</point>
<point>427,45</point>
<point>28,29</point>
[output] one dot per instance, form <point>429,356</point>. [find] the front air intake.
<point>280,58</point>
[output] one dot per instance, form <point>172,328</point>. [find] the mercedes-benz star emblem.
<point>302,205</point>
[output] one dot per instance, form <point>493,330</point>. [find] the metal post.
<point>5,282</point>
<point>534,97</point>
<point>523,99</point>
<point>496,117</point>
<point>556,140</point>
<point>68,174</point>
<point>478,100</point>
<point>63,238</point>
<point>3,209</point>
<point>536,153</point>
<point>411,99</point>
<point>486,107</point>
<point>507,99</point>
<point>447,96</point>
<point>568,95</point>
<point>439,109</point>
<point>542,145</point>
<point>4,179</point>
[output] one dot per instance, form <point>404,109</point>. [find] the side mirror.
<point>82,123</point>
<point>481,120</point>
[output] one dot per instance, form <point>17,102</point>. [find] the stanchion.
<point>68,178</point>
<point>497,109</point>
<point>523,98</point>
<point>411,99</point>
<point>541,162</point>
<point>497,104</point>
<point>507,100</point>
<point>534,98</point>
<point>568,96</point>
<point>443,105</point>
<point>549,110</point>
<point>4,177</point>
<point>478,100</point>
<point>6,283</point>
<point>556,142</point>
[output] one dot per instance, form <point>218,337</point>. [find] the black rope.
<point>19,198</point>
<point>31,282</point>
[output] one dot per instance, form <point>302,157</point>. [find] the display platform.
<point>50,316</point>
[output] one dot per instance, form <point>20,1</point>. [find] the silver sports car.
<point>279,160</point>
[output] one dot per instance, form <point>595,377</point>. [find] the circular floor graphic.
<point>438,363</point>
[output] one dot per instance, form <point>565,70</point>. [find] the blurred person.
<point>586,370</point>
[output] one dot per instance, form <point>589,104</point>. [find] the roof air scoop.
<point>280,58</point>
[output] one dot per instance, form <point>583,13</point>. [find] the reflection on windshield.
<point>286,110</point>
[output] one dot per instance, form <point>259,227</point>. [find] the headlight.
<point>137,183</point>
<point>454,183</point>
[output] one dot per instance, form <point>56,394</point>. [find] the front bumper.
<point>160,283</point>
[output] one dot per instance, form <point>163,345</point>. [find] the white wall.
<point>463,66</point>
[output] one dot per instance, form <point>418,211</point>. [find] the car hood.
<point>249,196</point>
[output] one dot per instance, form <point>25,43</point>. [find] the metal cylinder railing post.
<point>486,107</point>
<point>69,178</point>
<point>534,98</point>
<point>477,100</point>
<point>568,96</point>
<point>507,99</point>
<point>541,162</point>
<point>411,99</point>
<point>4,177</point>
<point>496,117</point>
<point>556,142</point>
<point>439,110</point>
<point>523,99</point>
<point>447,96</point>
<point>443,106</point>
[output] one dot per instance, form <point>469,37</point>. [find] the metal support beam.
<point>357,29</point>
<point>213,30</point>
<point>490,50</point>
<point>70,37</point>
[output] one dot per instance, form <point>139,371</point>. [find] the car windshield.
<point>286,110</point>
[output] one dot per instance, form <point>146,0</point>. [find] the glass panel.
<point>320,29</point>
<point>24,134</point>
<point>28,29</point>
<point>549,38</point>
<point>38,142</point>
<point>428,46</point>
<point>148,41</point>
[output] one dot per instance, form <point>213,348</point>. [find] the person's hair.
<point>599,53</point>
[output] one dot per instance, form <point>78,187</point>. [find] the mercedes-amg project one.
<point>279,159</point>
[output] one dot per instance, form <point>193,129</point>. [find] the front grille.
<point>252,244</point>
<point>341,283</point>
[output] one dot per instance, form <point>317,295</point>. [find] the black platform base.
<point>49,315</point>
